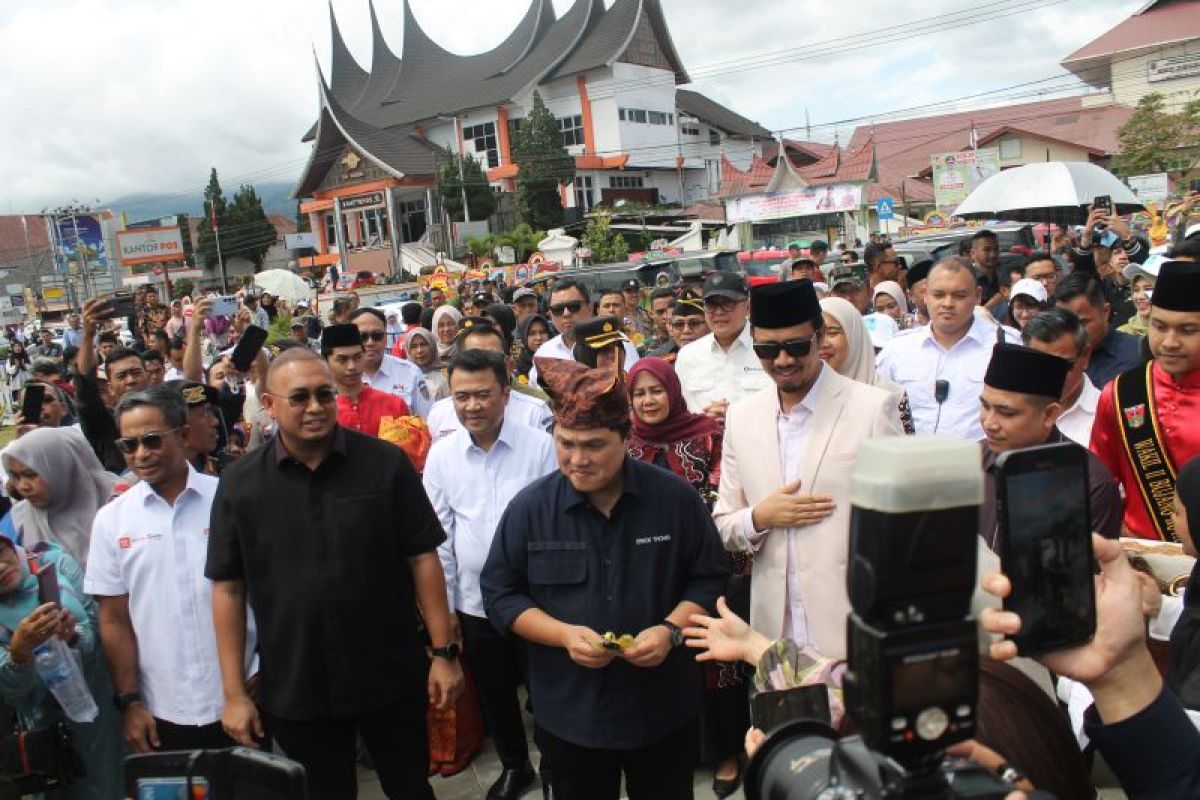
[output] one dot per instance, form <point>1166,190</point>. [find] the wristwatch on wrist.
<point>675,631</point>
<point>449,652</point>
<point>124,700</point>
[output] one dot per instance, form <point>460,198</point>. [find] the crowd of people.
<point>357,543</point>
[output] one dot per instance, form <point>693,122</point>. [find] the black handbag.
<point>38,761</point>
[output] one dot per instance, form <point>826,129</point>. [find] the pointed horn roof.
<point>346,78</point>
<point>786,177</point>
<point>385,66</point>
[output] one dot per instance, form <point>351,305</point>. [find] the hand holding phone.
<point>48,588</point>
<point>31,403</point>
<point>248,348</point>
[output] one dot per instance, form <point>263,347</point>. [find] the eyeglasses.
<point>719,303</point>
<point>686,324</point>
<point>561,309</point>
<point>151,441</point>
<point>796,348</point>
<point>373,336</point>
<point>301,399</point>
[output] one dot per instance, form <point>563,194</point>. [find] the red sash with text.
<point>1133,394</point>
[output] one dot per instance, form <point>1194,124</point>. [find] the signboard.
<point>799,203</point>
<point>956,175</point>
<point>80,238</point>
<point>15,288</point>
<point>149,246</point>
<point>53,293</point>
<point>360,201</point>
<point>885,208</point>
<point>300,241</point>
<point>1152,188</point>
<point>1165,69</point>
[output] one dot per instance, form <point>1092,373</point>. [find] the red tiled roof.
<point>808,152</point>
<point>1159,23</point>
<point>736,182</point>
<point>12,236</point>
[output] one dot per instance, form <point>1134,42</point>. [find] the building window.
<point>656,117</point>
<point>621,114</point>
<point>689,127</point>
<point>714,137</point>
<point>481,140</point>
<point>330,233</point>
<point>637,115</point>
<point>571,129</point>
<point>670,119</point>
<point>625,182</point>
<point>583,192</point>
<point>372,227</point>
<point>514,128</point>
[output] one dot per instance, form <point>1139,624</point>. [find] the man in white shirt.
<point>146,568</point>
<point>941,365</point>
<point>388,373</point>
<point>525,409</point>
<point>570,303</point>
<point>1059,332</point>
<point>717,369</point>
<point>470,476</point>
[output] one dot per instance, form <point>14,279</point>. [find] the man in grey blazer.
<point>785,471</point>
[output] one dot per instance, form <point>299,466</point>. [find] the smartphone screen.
<point>171,788</point>
<point>248,347</point>
<point>1103,201</point>
<point>31,403</point>
<point>48,590</point>
<point>1046,546</point>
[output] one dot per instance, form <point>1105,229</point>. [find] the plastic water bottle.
<point>63,676</point>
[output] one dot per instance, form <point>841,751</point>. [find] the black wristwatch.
<point>449,652</point>
<point>675,631</point>
<point>125,700</point>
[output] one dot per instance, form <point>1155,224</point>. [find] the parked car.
<point>936,246</point>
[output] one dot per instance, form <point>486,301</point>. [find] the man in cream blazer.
<point>785,472</point>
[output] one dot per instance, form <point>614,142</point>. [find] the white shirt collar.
<point>192,485</point>
<point>743,338</point>
<point>507,433</point>
<point>1088,399</point>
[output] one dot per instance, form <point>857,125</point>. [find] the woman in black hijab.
<point>1183,673</point>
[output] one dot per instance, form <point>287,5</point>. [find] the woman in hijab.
<point>667,435</point>
<point>846,347</point>
<point>1183,669</point>
<point>889,299</point>
<point>445,327</point>
<point>532,334</point>
<point>422,350</point>
<point>63,486</point>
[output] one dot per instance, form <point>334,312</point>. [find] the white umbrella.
<point>283,284</point>
<point>1051,191</point>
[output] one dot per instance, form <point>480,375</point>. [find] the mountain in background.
<point>276,199</point>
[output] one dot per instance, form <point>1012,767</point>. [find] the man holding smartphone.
<point>1017,409</point>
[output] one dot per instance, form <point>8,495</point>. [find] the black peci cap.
<point>1016,368</point>
<point>340,336</point>
<point>1177,287</point>
<point>784,304</point>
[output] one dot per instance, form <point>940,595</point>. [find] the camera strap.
<point>1133,394</point>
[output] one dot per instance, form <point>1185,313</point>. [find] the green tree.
<point>607,247</point>
<point>544,164</point>
<point>480,197</point>
<point>1154,140</point>
<point>303,224</point>
<point>181,287</point>
<point>214,201</point>
<point>523,240</point>
<point>251,234</point>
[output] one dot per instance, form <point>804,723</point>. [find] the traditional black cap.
<point>918,272</point>
<point>631,285</point>
<point>195,394</point>
<point>783,304</point>
<point>725,284</point>
<point>467,323</point>
<point>340,336</point>
<point>1177,287</point>
<point>593,336</point>
<point>481,299</point>
<point>687,304</point>
<point>1015,368</point>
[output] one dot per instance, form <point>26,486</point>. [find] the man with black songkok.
<point>785,471</point>
<point>597,567</point>
<point>359,407</point>
<point>1017,409</point>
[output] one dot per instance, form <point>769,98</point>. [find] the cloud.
<point>106,97</point>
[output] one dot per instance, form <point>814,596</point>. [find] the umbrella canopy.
<point>283,284</point>
<point>1052,191</point>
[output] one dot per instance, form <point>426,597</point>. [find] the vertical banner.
<point>80,239</point>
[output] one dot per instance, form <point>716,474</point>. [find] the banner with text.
<point>806,202</point>
<point>149,246</point>
<point>956,175</point>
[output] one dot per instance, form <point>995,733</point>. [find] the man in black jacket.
<point>124,372</point>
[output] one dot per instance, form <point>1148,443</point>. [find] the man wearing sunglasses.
<point>145,566</point>
<point>720,367</point>
<point>386,372</point>
<point>571,303</point>
<point>331,536</point>
<point>359,407</point>
<point>785,486</point>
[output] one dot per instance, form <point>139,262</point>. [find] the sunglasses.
<point>686,325</point>
<point>720,303</point>
<point>301,399</point>
<point>374,336</point>
<point>561,309</point>
<point>151,441</point>
<point>796,348</point>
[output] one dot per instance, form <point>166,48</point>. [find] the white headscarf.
<point>445,351</point>
<point>859,364</point>
<point>895,290</point>
<point>78,486</point>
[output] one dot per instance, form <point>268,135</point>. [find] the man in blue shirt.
<point>1113,352</point>
<point>606,544</point>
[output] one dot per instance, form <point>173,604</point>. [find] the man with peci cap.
<point>785,471</point>
<point>1017,409</point>
<point>1146,419</point>
<point>359,407</point>
<point>720,367</point>
<point>597,566</point>
<point>598,344</point>
<point>686,324</point>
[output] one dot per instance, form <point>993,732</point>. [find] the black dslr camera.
<point>912,646</point>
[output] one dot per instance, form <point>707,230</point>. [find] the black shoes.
<point>511,783</point>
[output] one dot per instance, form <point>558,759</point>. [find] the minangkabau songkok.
<point>783,304</point>
<point>1177,287</point>
<point>340,336</point>
<point>1015,368</point>
<point>593,336</point>
<point>582,397</point>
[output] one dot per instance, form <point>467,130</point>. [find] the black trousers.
<point>498,665</point>
<point>663,770</point>
<point>395,736</point>
<point>191,737</point>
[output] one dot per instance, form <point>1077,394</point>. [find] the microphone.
<point>941,390</point>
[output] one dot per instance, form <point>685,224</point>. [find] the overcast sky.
<point>107,97</point>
